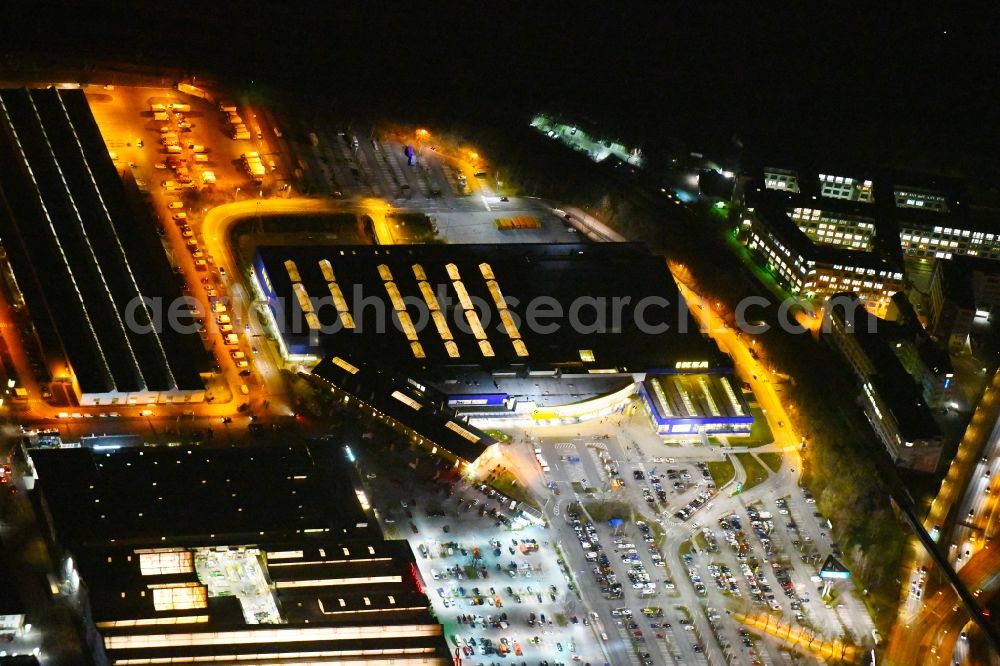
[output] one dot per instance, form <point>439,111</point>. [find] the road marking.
<point>486,203</point>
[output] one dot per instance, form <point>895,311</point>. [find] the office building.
<point>961,291</point>
<point>892,400</point>
<point>815,248</point>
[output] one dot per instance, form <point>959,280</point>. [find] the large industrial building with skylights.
<point>80,254</point>
<point>492,334</point>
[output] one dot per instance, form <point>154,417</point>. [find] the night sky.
<point>886,82</point>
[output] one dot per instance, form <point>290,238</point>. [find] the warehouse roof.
<point>80,251</point>
<point>410,306</point>
<point>408,401</point>
<point>141,494</point>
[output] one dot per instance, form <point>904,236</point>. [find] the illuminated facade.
<point>941,241</point>
<point>820,234</point>
<point>807,268</point>
<point>892,400</point>
<point>842,230</point>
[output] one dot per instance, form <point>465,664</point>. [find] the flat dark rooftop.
<point>138,495</point>
<point>558,275</point>
<point>80,250</point>
<point>395,396</point>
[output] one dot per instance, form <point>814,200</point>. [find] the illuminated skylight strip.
<point>686,399</point>
<point>487,271</point>
<point>714,408</point>
<point>293,271</point>
<point>429,297</point>
<point>664,404</point>
<point>475,324</point>
<point>470,313</point>
<point>441,323</point>
<point>395,297</point>
<point>463,295</point>
<point>400,307</point>
<point>344,365</point>
<point>509,325</point>
<point>736,404</point>
<point>327,268</point>
<point>407,324</point>
<point>346,320</point>
<point>495,292</point>
<point>338,297</point>
<point>288,634</point>
<point>454,427</point>
<point>303,297</point>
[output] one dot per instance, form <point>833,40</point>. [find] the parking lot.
<point>716,552</point>
<point>494,577</point>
